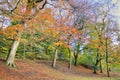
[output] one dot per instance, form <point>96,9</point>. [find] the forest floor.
<point>42,70</point>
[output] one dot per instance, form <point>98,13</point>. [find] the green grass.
<point>91,78</point>
<point>116,70</point>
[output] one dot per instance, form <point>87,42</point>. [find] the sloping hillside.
<point>42,70</point>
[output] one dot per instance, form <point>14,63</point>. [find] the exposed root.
<point>11,65</point>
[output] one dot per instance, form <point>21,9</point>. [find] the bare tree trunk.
<point>55,58</point>
<point>76,58</point>
<point>108,74</point>
<point>23,54</point>
<point>70,59</point>
<point>76,53</point>
<point>95,67</point>
<point>96,64</point>
<point>11,56</point>
<point>101,71</point>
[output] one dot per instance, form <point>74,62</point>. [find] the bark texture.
<point>55,58</point>
<point>11,56</point>
<point>70,59</point>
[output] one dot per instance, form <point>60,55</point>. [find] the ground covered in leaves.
<point>42,70</point>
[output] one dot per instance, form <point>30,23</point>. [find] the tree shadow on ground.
<point>2,60</point>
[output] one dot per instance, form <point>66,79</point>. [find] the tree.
<point>62,23</point>
<point>25,7</point>
<point>103,21</point>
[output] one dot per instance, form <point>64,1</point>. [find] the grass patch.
<point>92,78</point>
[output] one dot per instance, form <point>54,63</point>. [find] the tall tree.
<point>29,9</point>
<point>103,22</point>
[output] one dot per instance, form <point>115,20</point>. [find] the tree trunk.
<point>76,52</point>
<point>70,59</point>
<point>101,71</point>
<point>23,56</point>
<point>95,67</point>
<point>108,74</point>
<point>55,58</point>
<point>11,56</point>
<point>96,64</point>
<point>76,58</point>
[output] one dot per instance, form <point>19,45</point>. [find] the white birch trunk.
<point>55,58</point>
<point>11,56</point>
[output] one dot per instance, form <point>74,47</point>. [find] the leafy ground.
<point>42,70</point>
